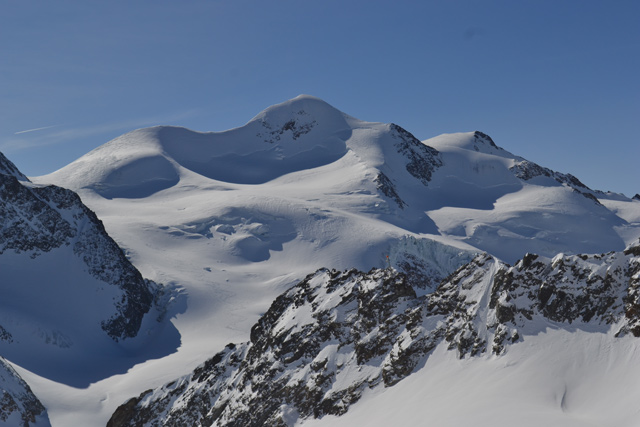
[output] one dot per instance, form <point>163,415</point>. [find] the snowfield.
<point>227,221</point>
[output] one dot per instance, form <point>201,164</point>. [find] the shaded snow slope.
<point>333,336</point>
<point>67,288</point>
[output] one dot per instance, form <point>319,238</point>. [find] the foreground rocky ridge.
<point>335,334</point>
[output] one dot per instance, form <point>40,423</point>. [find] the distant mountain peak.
<point>483,138</point>
<point>297,117</point>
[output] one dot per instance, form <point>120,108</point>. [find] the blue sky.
<point>553,81</point>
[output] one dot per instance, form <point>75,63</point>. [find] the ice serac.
<point>18,405</point>
<point>336,334</point>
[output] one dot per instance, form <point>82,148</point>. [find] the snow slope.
<point>235,218</point>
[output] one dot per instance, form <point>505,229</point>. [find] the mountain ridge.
<point>372,328</point>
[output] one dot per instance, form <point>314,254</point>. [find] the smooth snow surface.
<point>234,218</point>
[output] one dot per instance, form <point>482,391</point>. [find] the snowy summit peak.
<point>311,105</point>
<point>302,133</point>
<point>475,141</point>
<point>292,119</point>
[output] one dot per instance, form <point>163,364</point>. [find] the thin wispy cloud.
<point>35,129</point>
<point>26,140</point>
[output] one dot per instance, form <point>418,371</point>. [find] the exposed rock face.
<point>422,159</point>
<point>298,126</point>
<point>326,340</point>
<point>385,185</point>
<point>526,171</point>
<point>483,138</point>
<point>18,405</point>
<point>8,168</point>
<point>36,220</point>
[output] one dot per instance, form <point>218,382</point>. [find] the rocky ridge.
<point>8,168</point>
<point>422,159</point>
<point>39,219</point>
<point>18,405</point>
<point>335,334</point>
<point>526,171</point>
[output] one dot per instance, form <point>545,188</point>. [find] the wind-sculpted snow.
<point>298,135</point>
<point>334,335</point>
<point>18,405</point>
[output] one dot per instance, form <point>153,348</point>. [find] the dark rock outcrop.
<point>18,405</point>
<point>8,168</point>
<point>526,171</point>
<point>422,159</point>
<point>388,189</point>
<point>297,126</point>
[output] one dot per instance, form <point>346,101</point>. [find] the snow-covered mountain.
<point>236,218</point>
<point>68,291</point>
<point>335,335</point>
<point>461,186</point>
